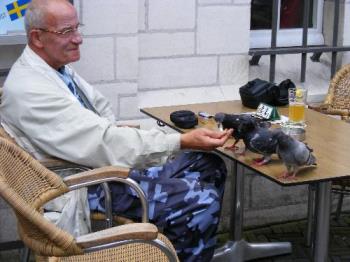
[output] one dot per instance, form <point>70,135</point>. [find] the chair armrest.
<point>320,107</point>
<point>142,231</point>
<point>96,176</point>
<point>327,109</point>
<point>341,112</point>
<point>108,174</point>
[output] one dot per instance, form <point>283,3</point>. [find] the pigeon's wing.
<point>237,135</point>
<point>301,153</point>
<point>287,155</point>
<point>305,156</point>
<point>278,151</point>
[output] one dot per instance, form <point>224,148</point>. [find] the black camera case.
<point>260,91</point>
<point>184,119</point>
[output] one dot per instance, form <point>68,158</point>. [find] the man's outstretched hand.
<point>204,139</point>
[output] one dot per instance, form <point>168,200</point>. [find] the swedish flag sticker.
<point>17,9</point>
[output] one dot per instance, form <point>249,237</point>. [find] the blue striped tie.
<point>71,85</point>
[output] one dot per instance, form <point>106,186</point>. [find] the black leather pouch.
<point>281,94</point>
<point>257,91</point>
<point>184,119</point>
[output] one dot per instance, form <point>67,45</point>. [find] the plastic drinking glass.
<point>297,102</point>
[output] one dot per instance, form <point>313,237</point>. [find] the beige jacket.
<point>44,117</point>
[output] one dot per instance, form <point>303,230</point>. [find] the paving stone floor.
<point>291,231</point>
<point>295,232</point>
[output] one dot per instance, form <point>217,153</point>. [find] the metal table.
<point>332,153</point>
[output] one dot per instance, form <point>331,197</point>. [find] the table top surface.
<point>328,137</point>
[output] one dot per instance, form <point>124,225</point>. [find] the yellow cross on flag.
<point>17,9</point>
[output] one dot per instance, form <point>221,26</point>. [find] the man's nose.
<point>77,39</point>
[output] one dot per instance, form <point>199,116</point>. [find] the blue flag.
<point>17,9</point>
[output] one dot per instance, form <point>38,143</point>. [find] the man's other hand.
<point>204,139</point>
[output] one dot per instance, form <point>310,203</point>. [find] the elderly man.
<point>50,109</point>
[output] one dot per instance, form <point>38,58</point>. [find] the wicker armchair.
<point>27,185</point>
<point>337,101</point>
<point>60,166</point>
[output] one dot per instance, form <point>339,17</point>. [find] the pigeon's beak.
<point>220,126</point>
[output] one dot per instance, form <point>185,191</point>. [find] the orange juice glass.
<point>297,112</point>
<point>297,101</point>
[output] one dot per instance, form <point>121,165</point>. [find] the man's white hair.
<point>36,12</point>
<point>35,15</point>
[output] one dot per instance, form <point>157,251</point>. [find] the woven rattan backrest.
<point>3,134</point>
<point>28,178</point>
<point>338,96</point>
<point>25,184</point>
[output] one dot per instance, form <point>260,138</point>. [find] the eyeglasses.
<point>66,32</point>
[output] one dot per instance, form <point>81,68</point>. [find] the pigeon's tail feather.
<point>310,149</point>
<point>311,160</point>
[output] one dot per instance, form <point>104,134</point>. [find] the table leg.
<point>310,216</point>
<point>238,249</point>
<point>237,189</point>
<point>322,217</point>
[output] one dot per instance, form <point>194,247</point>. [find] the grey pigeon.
<point>258,137</point>
<point>228,121</point>
<point>255,134</point>
<point>294,154</point>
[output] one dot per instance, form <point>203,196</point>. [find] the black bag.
<point>257,91</point>
<point>281,94</point>
<point>260,91</point>
<point>184,118</point>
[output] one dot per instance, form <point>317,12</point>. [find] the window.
<point>290,22</point>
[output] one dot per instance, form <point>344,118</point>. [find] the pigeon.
<point>255,134</point>
<point>229,121</point>
<point>294,154</point>
<point>258,138</point>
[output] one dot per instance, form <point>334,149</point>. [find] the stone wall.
<point>155,49</point>
<point>346,30</point>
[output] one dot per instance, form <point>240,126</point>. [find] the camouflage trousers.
<point>184,196</point>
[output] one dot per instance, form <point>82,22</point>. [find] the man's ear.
<point>35,38</point>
